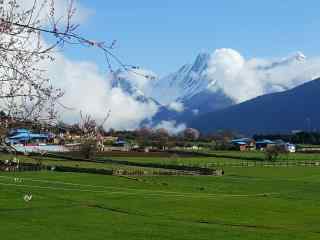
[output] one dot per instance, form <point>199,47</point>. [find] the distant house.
<point>244,144</point>
<point>25,136</point>
<point>264,144</point>
<point>24,141</point>
<point>291,147</point>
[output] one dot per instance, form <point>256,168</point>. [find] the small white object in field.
<point>17,180</point>
<point>27,198</point>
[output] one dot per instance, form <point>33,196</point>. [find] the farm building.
<point>291,147</point>
<point>24,136</point>
<point>244,144</point>
<point>263,144</point>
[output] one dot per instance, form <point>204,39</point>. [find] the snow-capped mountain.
<point>188,81</point>
<point>213,82</point>
<point>297,57</point>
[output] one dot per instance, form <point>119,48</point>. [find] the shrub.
<point>88,149</point>
<point>272,152</point>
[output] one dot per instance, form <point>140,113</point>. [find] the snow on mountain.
<point>186,82</point>
<point>215,81</point>
<point>224,71</point>
<point>297,57</point>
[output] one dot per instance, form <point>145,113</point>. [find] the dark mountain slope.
<point>295,109</point>
<point>201,103</point>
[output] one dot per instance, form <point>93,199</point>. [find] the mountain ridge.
<point>280,112</point>
<point>196,92</point>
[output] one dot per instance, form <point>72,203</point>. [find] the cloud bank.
<point>243,79</point>
<point>176,106</point>
<point>172,127</point>
<point>90,91</point>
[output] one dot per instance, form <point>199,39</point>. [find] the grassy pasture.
<point>247,203</point>
<point>221,158</point>
<point>254,155</point>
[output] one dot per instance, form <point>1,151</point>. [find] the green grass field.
<point>227,158</point>
<point>246,203</point>
<point>261,155</point>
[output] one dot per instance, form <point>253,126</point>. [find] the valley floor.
<point>247,203</point>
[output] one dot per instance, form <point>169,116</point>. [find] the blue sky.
<point>163,35</point>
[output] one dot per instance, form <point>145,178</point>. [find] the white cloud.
<point>89,91</point>
<point>243,79</point>
<point>228,70</point>
<point>172,127</point>
<point>176,106</point>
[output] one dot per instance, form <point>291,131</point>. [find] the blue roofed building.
<point>25,136</point>
<point>263,144</point>
<point>244,144</point>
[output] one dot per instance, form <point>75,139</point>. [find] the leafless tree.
<point>91,135</point>
<point>25,90</point>
<point>191,134</point>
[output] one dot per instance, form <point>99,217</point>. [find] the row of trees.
<point>156,137</point>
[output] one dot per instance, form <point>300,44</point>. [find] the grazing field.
<point>246,203</point>
<point>230,158</point>
<point>254,155</point>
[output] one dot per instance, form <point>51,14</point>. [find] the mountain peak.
<point>201,62</point>
<point>295,58</point>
